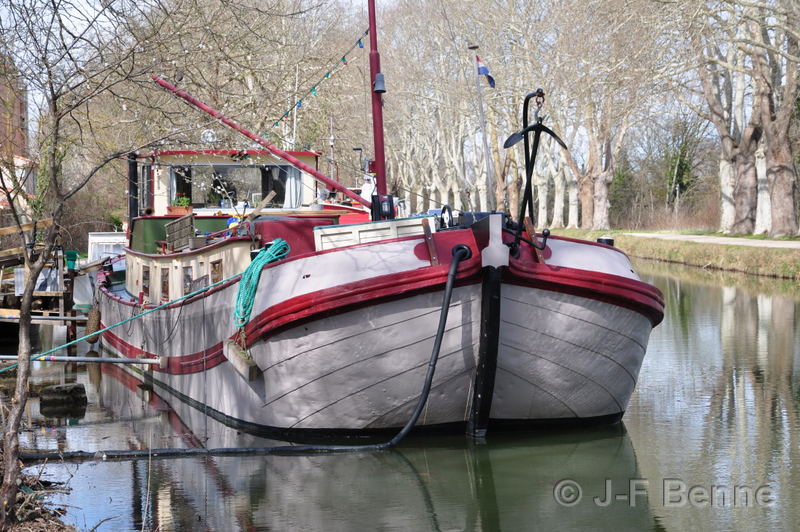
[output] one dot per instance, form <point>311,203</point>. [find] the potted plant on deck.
<point>181,206</point>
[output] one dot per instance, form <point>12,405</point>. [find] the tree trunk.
<point>483,198</point>
<point>442,195</point>
<point>411,201</point>
<point>782,181</point>
<point>542,191</point>
<point>727,213</point>
<point>572,216</point>
<point>586,196</point>
<point>600,218</point>
<point>558,200</point>
<point>456,201</point>
<point>8,489</point>
<point>776,93</point>
<point>764,207</point>
<point>745,193</point>
<point>515,187</point>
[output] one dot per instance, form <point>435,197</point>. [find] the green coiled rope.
<point>248,285</point>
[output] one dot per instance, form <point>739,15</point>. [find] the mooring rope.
<point>248,285</point>
<point>274,256</point>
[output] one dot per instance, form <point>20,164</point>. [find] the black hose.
<point>460,252</point>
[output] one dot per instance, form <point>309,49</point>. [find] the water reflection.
<point>717,401</point>
<point>716,408</point>
<point>443,484</point>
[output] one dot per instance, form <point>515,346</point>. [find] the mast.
<point>377,101</point>
<point>490,186</point>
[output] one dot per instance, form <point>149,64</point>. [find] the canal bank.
<point>763,257</point>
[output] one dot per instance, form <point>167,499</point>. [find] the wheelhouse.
<point>221,181</point>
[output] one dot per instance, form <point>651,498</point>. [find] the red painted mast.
<point>262,141</point>
<point>377,103</point>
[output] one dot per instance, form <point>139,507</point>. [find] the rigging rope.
<point>248,285</point>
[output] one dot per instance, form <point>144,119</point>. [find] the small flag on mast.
<point>483,70</point>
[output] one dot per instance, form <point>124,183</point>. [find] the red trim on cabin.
<point>363,214</point>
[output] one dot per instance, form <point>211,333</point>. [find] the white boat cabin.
<point>189,203</point>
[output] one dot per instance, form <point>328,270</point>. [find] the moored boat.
<point>339,339</point>
<point>298,321</point>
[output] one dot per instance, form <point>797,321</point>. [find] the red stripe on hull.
<point>356,295</point>
<point>177,365</point>
<point>628,293</point>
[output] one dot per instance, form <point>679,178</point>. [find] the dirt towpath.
<point>722,240</point>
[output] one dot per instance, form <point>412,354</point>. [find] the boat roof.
<point>167,153</point>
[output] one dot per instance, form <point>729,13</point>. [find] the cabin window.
<point>146,281</point>
<point>285,181</point>
<point>216,271</point>
<point>228,185</point>
<point>188,274</point>
<point>180,183</point>
<point>164,284</point>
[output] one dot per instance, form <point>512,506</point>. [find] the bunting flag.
<point>340,63</point>
<point>483,70</point>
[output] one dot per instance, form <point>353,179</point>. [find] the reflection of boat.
<point>440,484</point>
<point>337,335</point>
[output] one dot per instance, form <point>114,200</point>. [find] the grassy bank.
<point>771,262</point>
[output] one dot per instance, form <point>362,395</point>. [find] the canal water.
<point>710,441</point>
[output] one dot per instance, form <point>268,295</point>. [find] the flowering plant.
<point>181,200</point>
